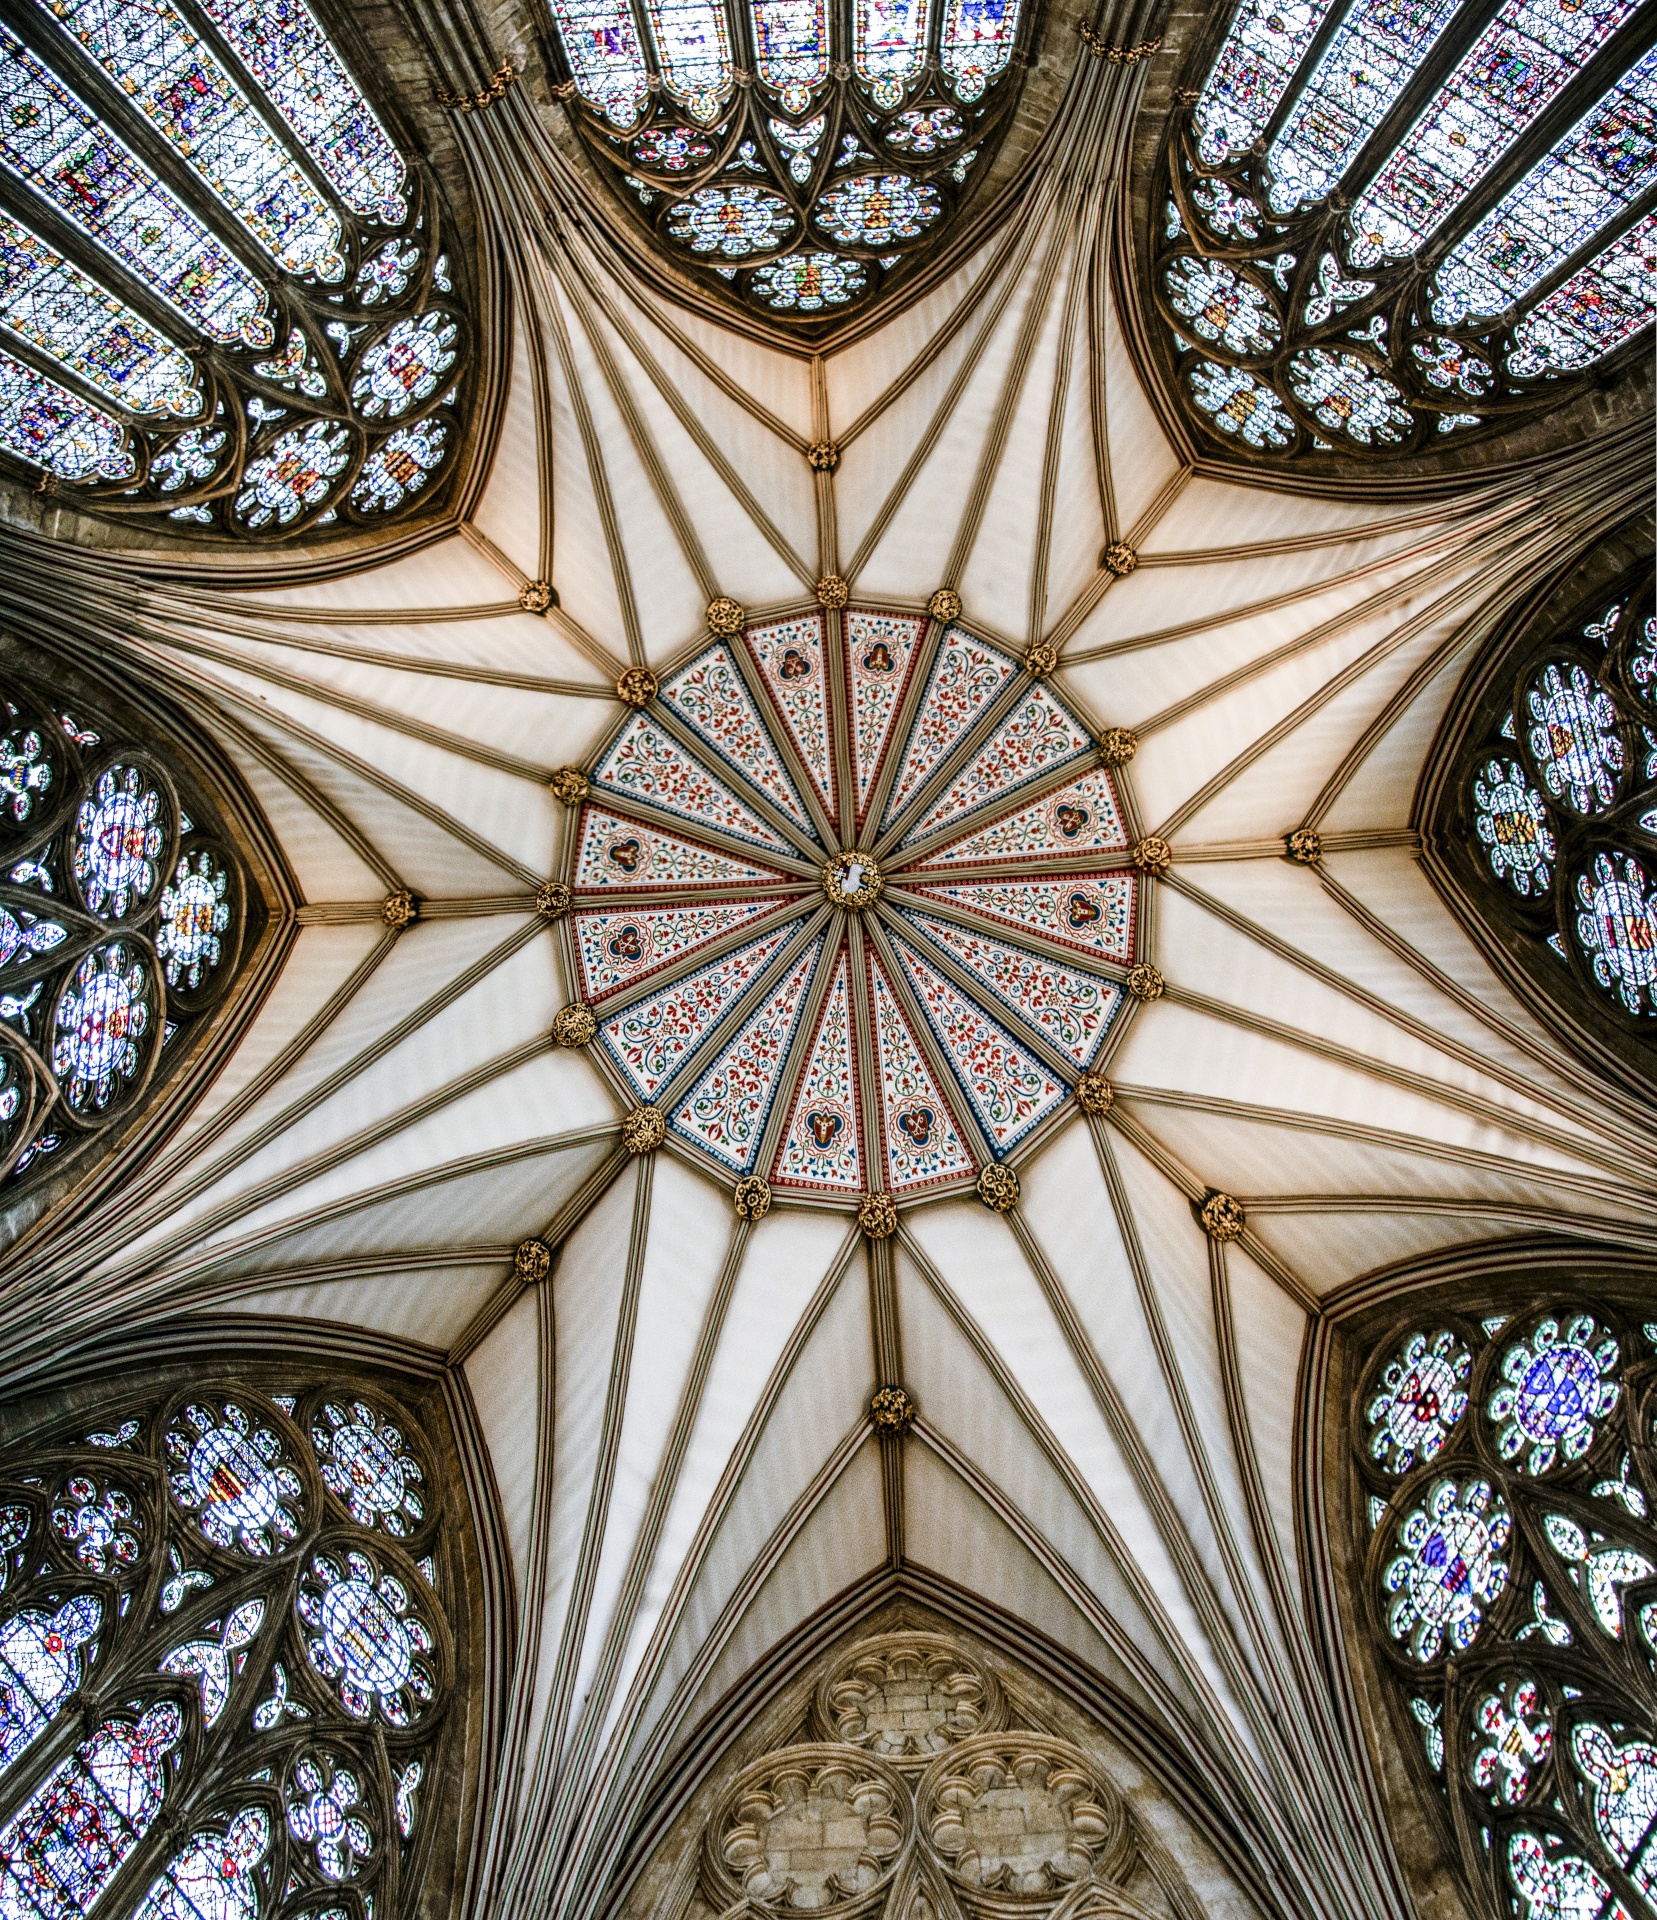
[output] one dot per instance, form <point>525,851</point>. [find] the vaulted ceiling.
<point>1109,1443</point>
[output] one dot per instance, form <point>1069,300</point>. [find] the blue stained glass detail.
<point>889,45</point>
<point>40,1666</point>
<point>61,1850</point>
<point>282,45</point>
<point>86,329</point>
<point>51,427</point>
<point>791,46</point>
<point>1515,68</point>
<point>101,1015</point>
<point>216,1662</point>
<point>166,68</point>
<point>211,1877</point>
<point>1266,44</point>
<point>873,210</point>
<point>1602,304</point>
<point>601,43</point>
<point>120,831</point>
<point>1601,166</point>
<point>1240,404</point>
<point>1616,923</point>
<point>808,282</point>
<point>976,43</point>
<point>1573,735</point>
<point>694,47</point>
<point>54,142</point>
<point>400,467</point>
<point>733,221</point>
<point>1376,49</point>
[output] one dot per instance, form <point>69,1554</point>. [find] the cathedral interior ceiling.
<point>1267,1080</point>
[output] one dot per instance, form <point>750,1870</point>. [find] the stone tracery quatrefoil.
<point>852,903</point>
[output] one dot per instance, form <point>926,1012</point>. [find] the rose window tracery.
<point>1380,231</point>
<point>1548,818</point>
<point>256,1705</point>
<point>1511,1570</point>
<point>228,307</point>
<point>799,152</point>
<point>851,903</point>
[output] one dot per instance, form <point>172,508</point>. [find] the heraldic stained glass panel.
<point>1384,230</point>
<point>1549,815</point>
<point>806,193</point>
<point>1504,1510</point>
<point>251,1582</point>
<point>226,303</point>
<point>887,979</point>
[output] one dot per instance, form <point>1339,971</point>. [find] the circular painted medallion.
<point>364,1638</point>
<point>868,768</point>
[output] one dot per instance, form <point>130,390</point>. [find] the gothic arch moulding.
<point>909,1770</point>
<point>1537,810</point>
<point>1384,249</point>
<point>242,1639</point>
<point>1486,1495</point>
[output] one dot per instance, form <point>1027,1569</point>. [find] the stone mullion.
<point>865,1053</point>
<point>959,757</point>
<point>798,868</point>
<point>997,809</point>
<point>764,983</point>
<point>1114,970</point>
<point>778,732</point>
<point>794,1064</point>
<point>684,965</point>
<point>981,997</point>
<point>949,1087</point>
<point>839,709</point>
<point>702,749</point>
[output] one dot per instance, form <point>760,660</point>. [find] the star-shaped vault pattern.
<point>1116,1441</point>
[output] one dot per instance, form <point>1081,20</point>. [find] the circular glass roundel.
<point>1512,823</point>
<point>721,965</point>
<point>405,367</point>
<point>371,1466</point>
<point>196,912</point>
<point>1616,923</point>
<point>1419,1398</point>
<point>1450,1568</point>
<point>733,222</point>
<point>121,835</point>
<point>878,210</point>
<point>101,1017</point>
<point>810,282</point>
<point>1557,1383</point>
<point>227,1474</point>
<point>364,1638</point>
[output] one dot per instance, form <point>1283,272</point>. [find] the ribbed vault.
<point>1107,1445</point>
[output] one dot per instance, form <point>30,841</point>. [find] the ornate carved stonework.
<point>907,1697</point>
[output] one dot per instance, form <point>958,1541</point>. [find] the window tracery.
<point>1549,815</point>
<point>222,1689</point>
<point>801,152</point>
<point>1381,231</point>
<point>1505,1509</point>
<point>123,922</point>
<point>227,303</point>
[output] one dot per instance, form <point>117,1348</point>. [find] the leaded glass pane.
<point>283,47</point>
<point>889,44</point>
<point>693,44</point>
<point>50,427</point>
<point>977,43</point>
<point>1266,44</point>
<point>1595,311</point>
<point>1601,166</point>
<point>1508,77</point>
<point>791,46</point>
<point>601,43</point>
<point>165,66</point>
<point>54,142</point>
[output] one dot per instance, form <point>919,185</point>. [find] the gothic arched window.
<point>1505,1507</point>
<point>225,301</point>
<point>1383,229</point>
<point>225,1658</point>
<point>1547,820</point>
<point>798,149</point>
<point>124,910</point>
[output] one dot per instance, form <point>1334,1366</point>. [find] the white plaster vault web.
<point>677,1418</point>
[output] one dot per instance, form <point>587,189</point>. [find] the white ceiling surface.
<point>676,1419</point>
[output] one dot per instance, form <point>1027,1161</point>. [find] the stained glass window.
<point>1549,821</point>
<point>225,304</point>
<point>219,1777</point>
<point>748,182</point>
<point>122,915</point>
<point>1503,1519</point>
<point>1386,227</point>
